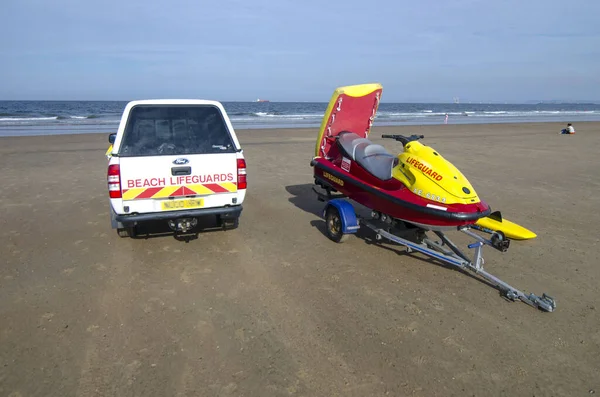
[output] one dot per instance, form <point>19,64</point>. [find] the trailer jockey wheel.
<point>499,241</point>
<point>333,223</point>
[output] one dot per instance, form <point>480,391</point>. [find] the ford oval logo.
<point>181,161</point>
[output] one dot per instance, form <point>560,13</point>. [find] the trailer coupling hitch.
<point>545,302</point>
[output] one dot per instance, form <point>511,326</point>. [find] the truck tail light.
<point>241,170</point>
<point>114,181</point>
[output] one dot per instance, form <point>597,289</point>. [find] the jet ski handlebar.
<point>403,139</point>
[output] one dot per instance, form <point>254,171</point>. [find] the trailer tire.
<point>333,224</point>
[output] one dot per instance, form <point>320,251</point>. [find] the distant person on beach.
<point>569,130</point>
<point>446,119</point>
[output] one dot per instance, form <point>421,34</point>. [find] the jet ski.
<point>416,190</point>
<point>418,186</point>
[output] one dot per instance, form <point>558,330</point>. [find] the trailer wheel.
<point>333,222</point>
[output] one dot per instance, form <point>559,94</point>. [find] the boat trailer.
<point>342,220</point>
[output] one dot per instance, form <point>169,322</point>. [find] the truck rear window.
<point>155,130</point>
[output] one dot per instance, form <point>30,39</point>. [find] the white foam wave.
<point>27,118</point>
<point>288,116</point>
<point>503,113</point>
<point>416,114</point>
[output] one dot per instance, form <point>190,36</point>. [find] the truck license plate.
<point>182,204</point>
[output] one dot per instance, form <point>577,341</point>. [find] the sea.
<point>22,118</point>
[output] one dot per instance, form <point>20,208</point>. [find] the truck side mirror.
<point>112,137</point>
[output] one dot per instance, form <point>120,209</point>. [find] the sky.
<point>292,50</point>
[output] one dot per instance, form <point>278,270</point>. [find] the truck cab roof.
<point>171,102</point>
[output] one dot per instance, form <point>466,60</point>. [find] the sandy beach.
<point>274,308</point>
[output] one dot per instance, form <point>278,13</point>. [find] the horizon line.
<point>526,102</point>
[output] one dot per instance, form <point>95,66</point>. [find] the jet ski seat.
<point>372,157</point>
<point>349,141</point>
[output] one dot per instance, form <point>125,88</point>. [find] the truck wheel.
<point>333,222</point>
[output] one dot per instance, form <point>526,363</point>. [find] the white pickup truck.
<point>175,161</point>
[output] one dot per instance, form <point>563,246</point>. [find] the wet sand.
<point>274,308</point>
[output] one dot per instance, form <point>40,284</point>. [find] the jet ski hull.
<point>395,200</point>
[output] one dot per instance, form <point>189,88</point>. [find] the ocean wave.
<point>502,113</point>
<point>28,118</point>
<point>416,114</point>
<point>274,115</point>
<point>89,115</point>
<point>387,116</point>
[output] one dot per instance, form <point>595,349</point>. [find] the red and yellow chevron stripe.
<point>176,191</point>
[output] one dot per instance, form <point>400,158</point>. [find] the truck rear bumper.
<point>225,213</point>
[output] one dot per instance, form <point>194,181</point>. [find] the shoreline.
<point>305,128</point>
